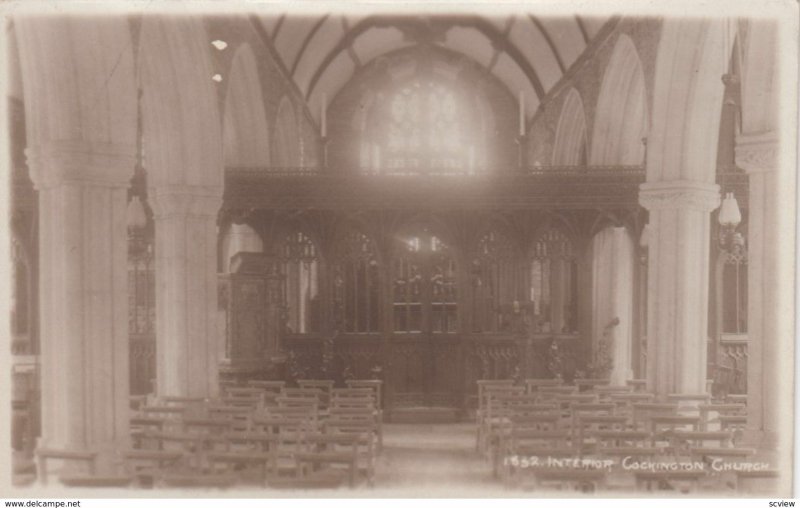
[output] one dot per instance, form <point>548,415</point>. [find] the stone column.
<point>758,156</point>
<point>677,283</point>
<point>83,293</point>
<point>187,348</point>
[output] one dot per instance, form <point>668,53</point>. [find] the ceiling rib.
<point>582,28</point>
<point>343,43</point>
<point>510,49</point>
<point>307,40</point>
<point>550,43</point>
<point>278,25</point>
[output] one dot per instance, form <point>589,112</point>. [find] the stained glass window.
<point>424,130</point>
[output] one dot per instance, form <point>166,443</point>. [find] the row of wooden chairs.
<point>263,433</point>
<point>542,427</point>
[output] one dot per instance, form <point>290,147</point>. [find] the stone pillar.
<point>187,347</point>
<point>83,293</point>
<point>758,156</point>
<point>677,283</point>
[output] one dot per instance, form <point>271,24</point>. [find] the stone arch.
<point>687,101</point>
<point>621,119</point>
<point>570,144</point>
<point>760,78</point>
<point>180,113</point>
<point>246,141</point>
<point>287,135</point>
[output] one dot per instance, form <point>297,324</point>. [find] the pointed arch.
<point>570,145</point>
<point>687,101</point>
<point>182,131</point>
<point>246,141</point>
<point>287,138</point>
<point>621,119</point>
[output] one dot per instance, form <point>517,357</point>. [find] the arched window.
<point>422,127</point>
<point>494,281</point>
<point>301,298</point>
<point>424,286</point>
<point>554,284</point>
<point>357,286</point>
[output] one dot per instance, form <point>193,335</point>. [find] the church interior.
<point>503,252</point>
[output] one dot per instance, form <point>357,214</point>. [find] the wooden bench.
<point>43,455</point>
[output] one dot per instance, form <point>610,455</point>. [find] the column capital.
<point>678,194</point>
<point>56,163</point>
<point>757,153</point>
<point>185,200</point>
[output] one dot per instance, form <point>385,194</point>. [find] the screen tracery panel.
<point>300,278</point>
<point>357,286</point>
<point>424,278</point>
<point>494,280</point>
<point>554,283</point>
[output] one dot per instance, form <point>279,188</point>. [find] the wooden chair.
<point>533,384</point>
<point>685,481</point>
<point>638,385</point>
<point>107,481</point>
<point>267,386</point>
<point>663,426</point>
<point>707,410</point>
<point>376,385</point>
<point>492,411</point>
<point>525,449</point>
<point>682,441</point>
<point>582,480</point>
<point>642,413</point>
<point>351,450</point>
<point>84,458</point>
<point>146,465</point>
<point>584,384</point>
<point>205,481</point>
<point>323,385</point>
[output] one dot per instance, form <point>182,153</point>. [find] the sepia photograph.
<point>360,250</point>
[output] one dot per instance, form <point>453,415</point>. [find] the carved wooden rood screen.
<point>428,282</point>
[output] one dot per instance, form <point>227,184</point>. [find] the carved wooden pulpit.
<point>250,299</point>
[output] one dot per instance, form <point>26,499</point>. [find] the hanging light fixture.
<point>730,216</point>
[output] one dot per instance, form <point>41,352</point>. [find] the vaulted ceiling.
<point>527,53</point>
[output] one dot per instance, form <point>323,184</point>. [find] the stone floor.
<point>436,460</point>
